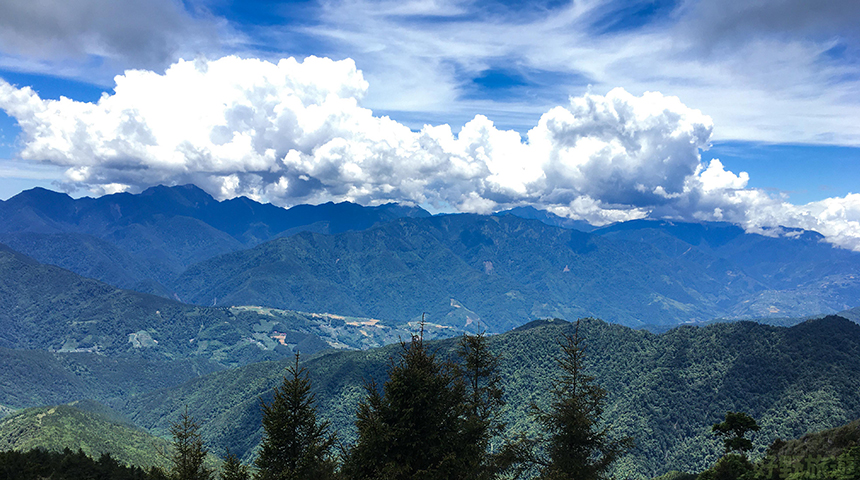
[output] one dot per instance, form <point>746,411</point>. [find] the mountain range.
<point>153,302</point>
<point>397,263</point>
<point>134,240</point>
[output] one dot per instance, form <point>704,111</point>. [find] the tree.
<point>577,446</point>
<point>482,409</point>
<point>730,467</point>
<point>734,428</point>
<point>295,446</point>
<point>733,466</point>
<point>189,451</point>
<point>413,429</point>
<point>233,469</point>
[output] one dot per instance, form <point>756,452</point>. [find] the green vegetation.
<point>68,426</point>
<point>234,469</point>
<point>34,377</point>
<point>188,452</point>
<point>412,428</point>
<point>41,464</point>
<point>64,337</point>
<point>578,447</point>
<point>295,445</point>
<point>665,390</point>
<point>832,454</point>
<point>734,429</point>
<point>789,378</point>
<point>478,369</point>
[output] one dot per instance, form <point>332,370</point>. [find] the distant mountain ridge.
<point>395,262</point>
<point>803,275</point>
<point>153,236</point>
<point>549,218</point>
<point>495,272</point>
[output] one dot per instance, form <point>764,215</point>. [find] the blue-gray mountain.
<point>395,263</point>
<point>495,273</point>
<point>139,241</point>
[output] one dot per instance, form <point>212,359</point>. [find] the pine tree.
<point>295,444</point>
<point>233,469</point>
<point>413,429</point>
<point>482,406</point>
<point>189,451</point>
<point>577,446</point>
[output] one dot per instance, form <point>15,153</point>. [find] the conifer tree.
<point>233,469</point>
<point>413,429</point>
<point>482,406</point>
<point>295,446</point>
<point>189,451</point>
<point>577,446</point>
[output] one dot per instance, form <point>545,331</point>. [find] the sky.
<point>602,110</point>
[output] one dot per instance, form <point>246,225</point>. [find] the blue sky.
<point>779,81</point>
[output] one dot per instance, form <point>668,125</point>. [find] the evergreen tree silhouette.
<point>295,446</point>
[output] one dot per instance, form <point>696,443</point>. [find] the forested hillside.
<point>81,426</point>
<point>664,390</point>
<point>64,337</point>
<point>490,272</point>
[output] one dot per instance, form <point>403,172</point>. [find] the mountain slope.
<point>467,270</point>
<point>163,229</point>
<point>35,377</point>
<point>87,256</point>
<point>802,274</point>
<point>64,337</point>
<point>43,307</point>
<point>665,390</point>
<point>68,426</point>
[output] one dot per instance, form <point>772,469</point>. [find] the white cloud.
<point>765,70</point>
<point>294,132</point>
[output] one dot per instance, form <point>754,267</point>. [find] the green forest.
<point>440,413</point>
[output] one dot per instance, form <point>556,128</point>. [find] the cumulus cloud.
<point>296,132</point>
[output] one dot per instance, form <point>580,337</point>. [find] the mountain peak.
<point>38,196</point>
<point>186,195</point>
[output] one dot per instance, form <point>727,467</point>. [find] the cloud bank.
<point>296,132</point>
